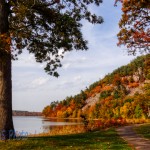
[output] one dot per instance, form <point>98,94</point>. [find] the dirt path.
<point>136,141</point>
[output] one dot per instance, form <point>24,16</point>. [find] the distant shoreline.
<point>25,113</point>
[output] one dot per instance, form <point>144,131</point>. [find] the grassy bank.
<point>143,130</point>
<point>101,140</point>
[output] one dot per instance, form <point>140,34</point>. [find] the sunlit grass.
<point>99,140</point>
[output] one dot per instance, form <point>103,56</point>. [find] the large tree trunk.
<point>6,123</point>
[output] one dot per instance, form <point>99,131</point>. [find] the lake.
<point>35,125</point>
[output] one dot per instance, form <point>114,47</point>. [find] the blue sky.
<point>33,89</point>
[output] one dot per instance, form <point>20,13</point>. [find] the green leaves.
<point>46,27</point>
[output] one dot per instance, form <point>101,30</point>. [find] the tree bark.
<point>6,122</point>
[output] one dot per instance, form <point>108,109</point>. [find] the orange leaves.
<point>109,98</point>
<point>112,101</point>
<point>107,88</point>
<point>117,80</point>
<point>69,110</point>
<point>134,26</point>
<point>5,42</point>
<point>133,85</point>
<point>97,89</point>
<point>94,91</point>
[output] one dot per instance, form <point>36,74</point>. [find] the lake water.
<point>35,125</point>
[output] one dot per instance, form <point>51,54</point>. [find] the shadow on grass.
<point>143,130</point>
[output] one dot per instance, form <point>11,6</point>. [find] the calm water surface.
<point>35,125</point>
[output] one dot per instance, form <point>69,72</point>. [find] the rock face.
<point>147,81</point>
<point>137,76</point>
<point>136,90</point>
<point>91,101</point>
<point>131,91</point>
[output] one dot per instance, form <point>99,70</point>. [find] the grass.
<point>143,130</point>
<point>99,140</point>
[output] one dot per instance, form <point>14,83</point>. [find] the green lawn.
<point>100,140</point>
<point>144,130</point>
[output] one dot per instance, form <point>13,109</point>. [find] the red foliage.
<point>133,85</point>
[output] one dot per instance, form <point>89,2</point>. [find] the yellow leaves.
<point>59,114</point>
<point>125,110</point>
<point>116,111</point>
<point>69,110</point>
<point>79,113</point>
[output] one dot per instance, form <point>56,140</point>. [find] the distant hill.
<point>26,113</point>
<point>124,93</point>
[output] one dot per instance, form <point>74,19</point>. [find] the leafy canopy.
<point>134,26</point>
<point>48,28</point>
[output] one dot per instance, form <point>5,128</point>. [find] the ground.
<point>99,140</point>
<point>123,138</point>
<point>135,140</point>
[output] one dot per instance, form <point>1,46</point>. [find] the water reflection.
<point>60,121</point>
<point>36,125</point>
<point>59,124</point>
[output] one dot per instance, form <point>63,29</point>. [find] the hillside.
<point>125,93</point>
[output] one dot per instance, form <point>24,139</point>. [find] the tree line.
<point>115,95</point>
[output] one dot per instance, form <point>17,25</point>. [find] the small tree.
<point>138,111</point>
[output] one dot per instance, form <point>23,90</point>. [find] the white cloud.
<point>66,65</point>
<point>80,68</point>
<point>39,82</point>
<point>77,78</point>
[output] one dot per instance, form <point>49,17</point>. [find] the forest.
<point>122,94</point>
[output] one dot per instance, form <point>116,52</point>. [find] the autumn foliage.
<point>116,102</point>
<point>134,26</point>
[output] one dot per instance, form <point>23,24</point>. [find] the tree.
<point>117,80</point>
<point>147,96</point>
<point>47,29</point>
<point>138,111</point>
<point>134,26</point>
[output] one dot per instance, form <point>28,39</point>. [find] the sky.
<point>33,89</point>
